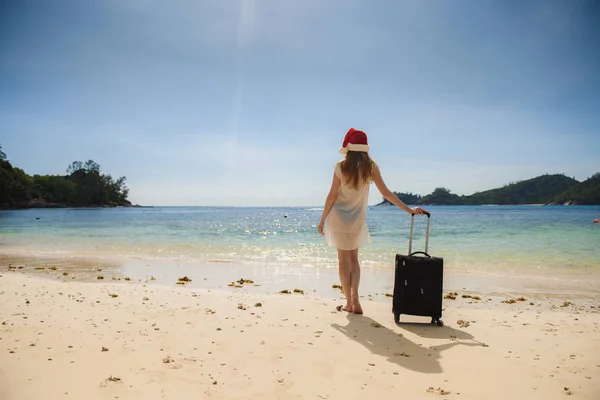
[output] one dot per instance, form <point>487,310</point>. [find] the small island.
<point>84,185</point>
<point>556,189</point>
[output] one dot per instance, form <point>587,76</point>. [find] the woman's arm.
<point>391,197</point>
<point>331,198</point>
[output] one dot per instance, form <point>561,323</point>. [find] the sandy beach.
<point>102,339</point>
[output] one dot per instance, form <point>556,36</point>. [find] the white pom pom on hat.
<point>355,140</point>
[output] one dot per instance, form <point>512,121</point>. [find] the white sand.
<point>183,343</point>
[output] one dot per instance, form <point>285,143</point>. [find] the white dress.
<point>345,226</point>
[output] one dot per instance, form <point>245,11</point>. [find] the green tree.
<point>83,186</point>
<point>74,167</point>
<point>442,196</point>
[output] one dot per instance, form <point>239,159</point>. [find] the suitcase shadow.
<point>399,350</point>
<point>426,330</point>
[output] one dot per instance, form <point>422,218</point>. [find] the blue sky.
<point>247,102</point>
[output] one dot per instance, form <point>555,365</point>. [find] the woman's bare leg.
<point>345,266</point>
<point>355,281</point>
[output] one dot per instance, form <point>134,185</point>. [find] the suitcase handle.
<point>419,252</point>
<point>412,223</point>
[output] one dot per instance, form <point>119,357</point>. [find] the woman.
<point>345,211</point>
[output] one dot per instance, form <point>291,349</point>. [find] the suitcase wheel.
<point>397,318</point>
<point>438,322</point>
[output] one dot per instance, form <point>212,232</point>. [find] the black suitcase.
<point>418,282</point>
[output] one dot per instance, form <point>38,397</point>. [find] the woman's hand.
<point>418,211</point>
<point>320,228</point>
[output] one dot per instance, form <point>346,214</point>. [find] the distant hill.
<point>585,193</point>
<point>84,185</point>
<point>540,190</point>
<point>544,189</point>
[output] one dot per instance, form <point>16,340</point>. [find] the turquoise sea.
<point>533,241</point>
<point>486,238</point>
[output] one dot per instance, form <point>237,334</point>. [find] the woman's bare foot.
<point>356,307</point>
<point>346,308</point>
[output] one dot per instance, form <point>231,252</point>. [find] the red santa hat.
<point>355,140</point>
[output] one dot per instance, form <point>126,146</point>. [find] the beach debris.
<point>241,306</point>
<point>104,349</point>
<point>567,304</point>
<point>40,268</point>
<point>375,325</point>
<point>219,329</point>
<point>521,298</point>
<point>113,379</point>
<point>284,291</point>
<point>183,280</point>
<point>113,295</point>
<point>438,391</point>
<point>240,283</point>
<point>100,277</point>
<point>451,296</point>
<point>145,299</point>
<point>168,360</point>
<point>509,301</point>
<point>462,323</point>
<point>65,273</point>
<point>53,268</point>
<point>258,305</point>
<point>127,278</point>
<point>389,295</point>
<point>299,291</point>
<point>371,364</point>
<point>567,391</point>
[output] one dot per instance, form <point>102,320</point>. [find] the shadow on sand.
<point>399,350</point>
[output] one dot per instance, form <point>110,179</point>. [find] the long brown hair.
<point>357,168</point>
